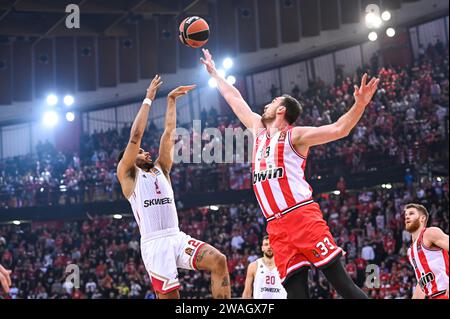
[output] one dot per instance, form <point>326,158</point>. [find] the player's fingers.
<point>374,87</point>
<point>364,80</point>
<point>356,90</point>
<point>371,83</point>
<point>189,87</point>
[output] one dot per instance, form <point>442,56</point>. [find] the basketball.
<point>194,32</point>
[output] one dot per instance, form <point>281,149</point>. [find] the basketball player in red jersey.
<point>146,185</point>
<point>428,254</point>
<point>298,234</point>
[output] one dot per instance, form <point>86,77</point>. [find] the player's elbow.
<point>342,132</point>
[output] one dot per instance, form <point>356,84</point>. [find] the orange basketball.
<point>194,32</point>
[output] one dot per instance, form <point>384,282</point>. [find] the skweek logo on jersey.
<point>272,290</point>
<point>268,174</point>
<point>158,201</point>
<point>426,279</point>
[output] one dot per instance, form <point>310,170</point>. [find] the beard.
<point>146,166</point>
<point>270,255</point>
<point>413,226</point>
<point>266,119</point>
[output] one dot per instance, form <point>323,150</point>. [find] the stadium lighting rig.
<point>50,117</point>
<point>375,20</point>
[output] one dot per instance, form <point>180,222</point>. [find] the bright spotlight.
<point>117,216</point>
<point>231,79</point>
<point>336,193</point>
<point>388,186</point>
<point>16,222</point>
<point>373,36</point>
<point>390,32</point>
<point>52,99</point>
<point>50,118</point>
<point>68,100</point>
<point>214,207</point>
<point>386,16</point>
<point>221,72</point>
<point>373,20</point>
<point>227,63</point>
<point>70,116</point>
<point>212,83</point>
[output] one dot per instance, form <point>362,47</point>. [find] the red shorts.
<point>300,239</point>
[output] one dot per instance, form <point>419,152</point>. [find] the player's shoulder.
<point>432,232</point>
<point>253,265</point>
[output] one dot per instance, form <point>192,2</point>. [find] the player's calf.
<point>210,259</point>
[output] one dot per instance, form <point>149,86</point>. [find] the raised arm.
<point>305,137</point>
<point>126,167</point>
<point>166,145</point>
<point>250,119</point>
<point>248,288</point>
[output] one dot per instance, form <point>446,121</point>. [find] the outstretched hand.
<point>180,91</point>
<point>154,86</point>
<point>364,94</point>
<point>208,62</point>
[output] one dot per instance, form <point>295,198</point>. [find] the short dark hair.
<point>420,208</point>
<point>293,108</point>
<point>266,237</point>
<point>120,156</point>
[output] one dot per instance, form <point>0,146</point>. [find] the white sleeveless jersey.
<point>279,174</point>
<point>267,283</point>
<point>430,267</point>
<point>153,202</point>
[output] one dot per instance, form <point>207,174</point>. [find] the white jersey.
<point>267,283</point>
<point>153,203</point>
<point>430,266</point>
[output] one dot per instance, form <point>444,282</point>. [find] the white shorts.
<point>164,253</point>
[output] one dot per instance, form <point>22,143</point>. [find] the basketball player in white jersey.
<point>263,280</point>
<point>299,236</point>
<point>428,254</point>
<point>146,185</point>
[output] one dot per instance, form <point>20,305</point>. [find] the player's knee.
<point>219,262</point>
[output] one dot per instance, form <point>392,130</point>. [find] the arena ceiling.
<point>45,18</point>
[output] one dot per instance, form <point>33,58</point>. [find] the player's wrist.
<point>147,101</point>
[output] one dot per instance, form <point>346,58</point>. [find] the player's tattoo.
<point>225,282</point>
<point>201,256</point>
<point>133,142</point>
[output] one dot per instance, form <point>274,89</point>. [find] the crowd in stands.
<point>404,126</point>
<point>367,224</point>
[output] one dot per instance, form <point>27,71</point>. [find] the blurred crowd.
<point>406,125</point>
<point>367,224</point>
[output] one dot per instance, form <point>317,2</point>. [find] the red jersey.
<point>279,173</point>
